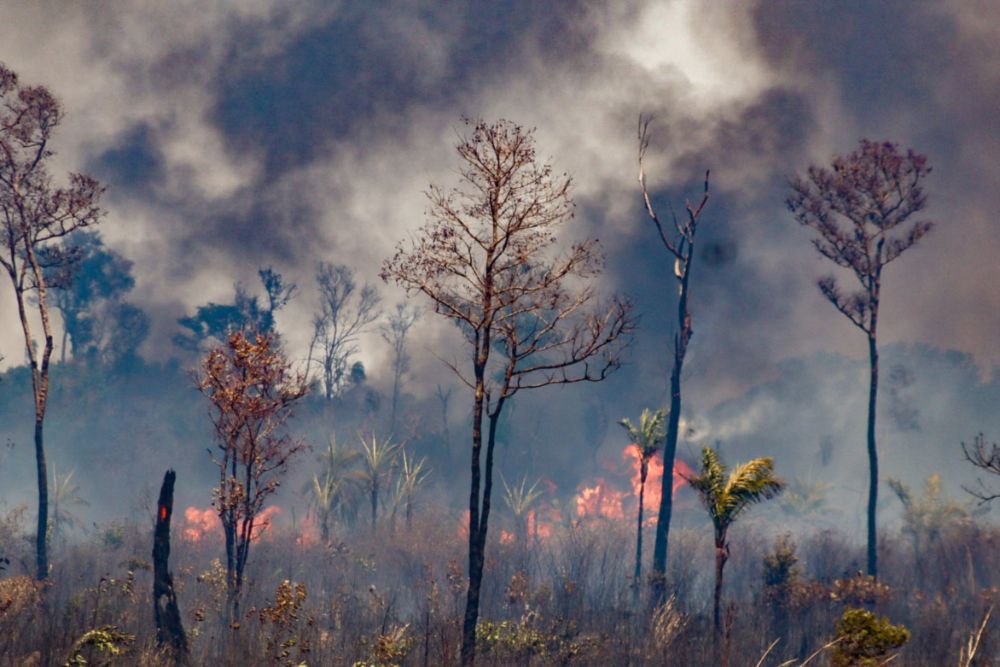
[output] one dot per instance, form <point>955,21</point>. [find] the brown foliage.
<point>35,218</point>
<point>486,261</point>
<point>252,390</point>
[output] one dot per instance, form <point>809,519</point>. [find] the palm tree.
<point>726,496</point>
<point>63,494</point>
<point>334,490</point>
<point>412,475</point>
<point>377,460</point>
<point>647,439</point>
<point>519,500</point>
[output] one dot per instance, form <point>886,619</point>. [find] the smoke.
<point>261,133</point>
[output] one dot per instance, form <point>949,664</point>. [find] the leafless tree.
<point>678,239</point>
<point>345,313</point>
<point>486,261</point>
<point>251,389</point>
<point>985,457</point>
<point>394,333</point>
<point>35,218</point>
<point>861,209</point>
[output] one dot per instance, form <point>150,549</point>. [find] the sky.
<point>234,135</point>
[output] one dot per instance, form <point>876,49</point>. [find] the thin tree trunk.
<point>395,399</point>
<point>637,576</point>
<point>721,556</point>
<point>681,338</point>
<point>872,458</point>
<point>478,546</point>
<point>475,556</point>
<point>169,628</point>
<point>41,541</point>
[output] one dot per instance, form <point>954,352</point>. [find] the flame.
<point>506,537</point>
<point>308,532</point>
<point>200,524</point>
<point>600,500</point>
<point>654,478</point>
<point>542,522</point>
<point>163,512</point>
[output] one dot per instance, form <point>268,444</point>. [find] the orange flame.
<point>600,500</point>
<point>654,478</point>
<point>200,524</point>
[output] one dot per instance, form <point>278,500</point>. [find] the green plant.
<point>389,649</point>
<point>377,460</point>
<point>805,498</point>
<point>333,493</point>
<point>412,476</point>
<point>647,438</point>
<point>519,500</point>
<point>726,494</point>
<point>925,517</point>
<point>282,617</point>
<point>107,639</point>
<point>864,640</point>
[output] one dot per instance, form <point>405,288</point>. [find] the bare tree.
<point>485,260</point>
<point>985,457</point>
<point>35,218</point>
<point>860,209</point>
<point>345,313</point>
<point>444,397</point>
<point>394,333</point>
<point>679,242</point>
<point>251,389</point>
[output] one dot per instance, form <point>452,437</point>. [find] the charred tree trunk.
<point>477,539</point>
<point>637,575</point>
<point>681,339</point>
<point>41,537</point>
<point>475,555</point>
<point>169,629</point>
<point>872,458</point>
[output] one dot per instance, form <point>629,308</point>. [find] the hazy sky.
<point>238,134</point>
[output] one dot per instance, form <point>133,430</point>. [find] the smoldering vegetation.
<point>326,585</point>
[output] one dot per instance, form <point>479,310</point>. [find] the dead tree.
<point>985,457</point>
<point>485,261</point>
<point>251,389</point>
<point>35,219</point>
<point>860,209</point>
<point>169,629</point>
<point>678,240</point>
<point>394,333</point>
<point>345,313</point>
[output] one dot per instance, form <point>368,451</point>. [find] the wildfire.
<point>600,500</point>
<point>200,524</point>
<point>654,478</point>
